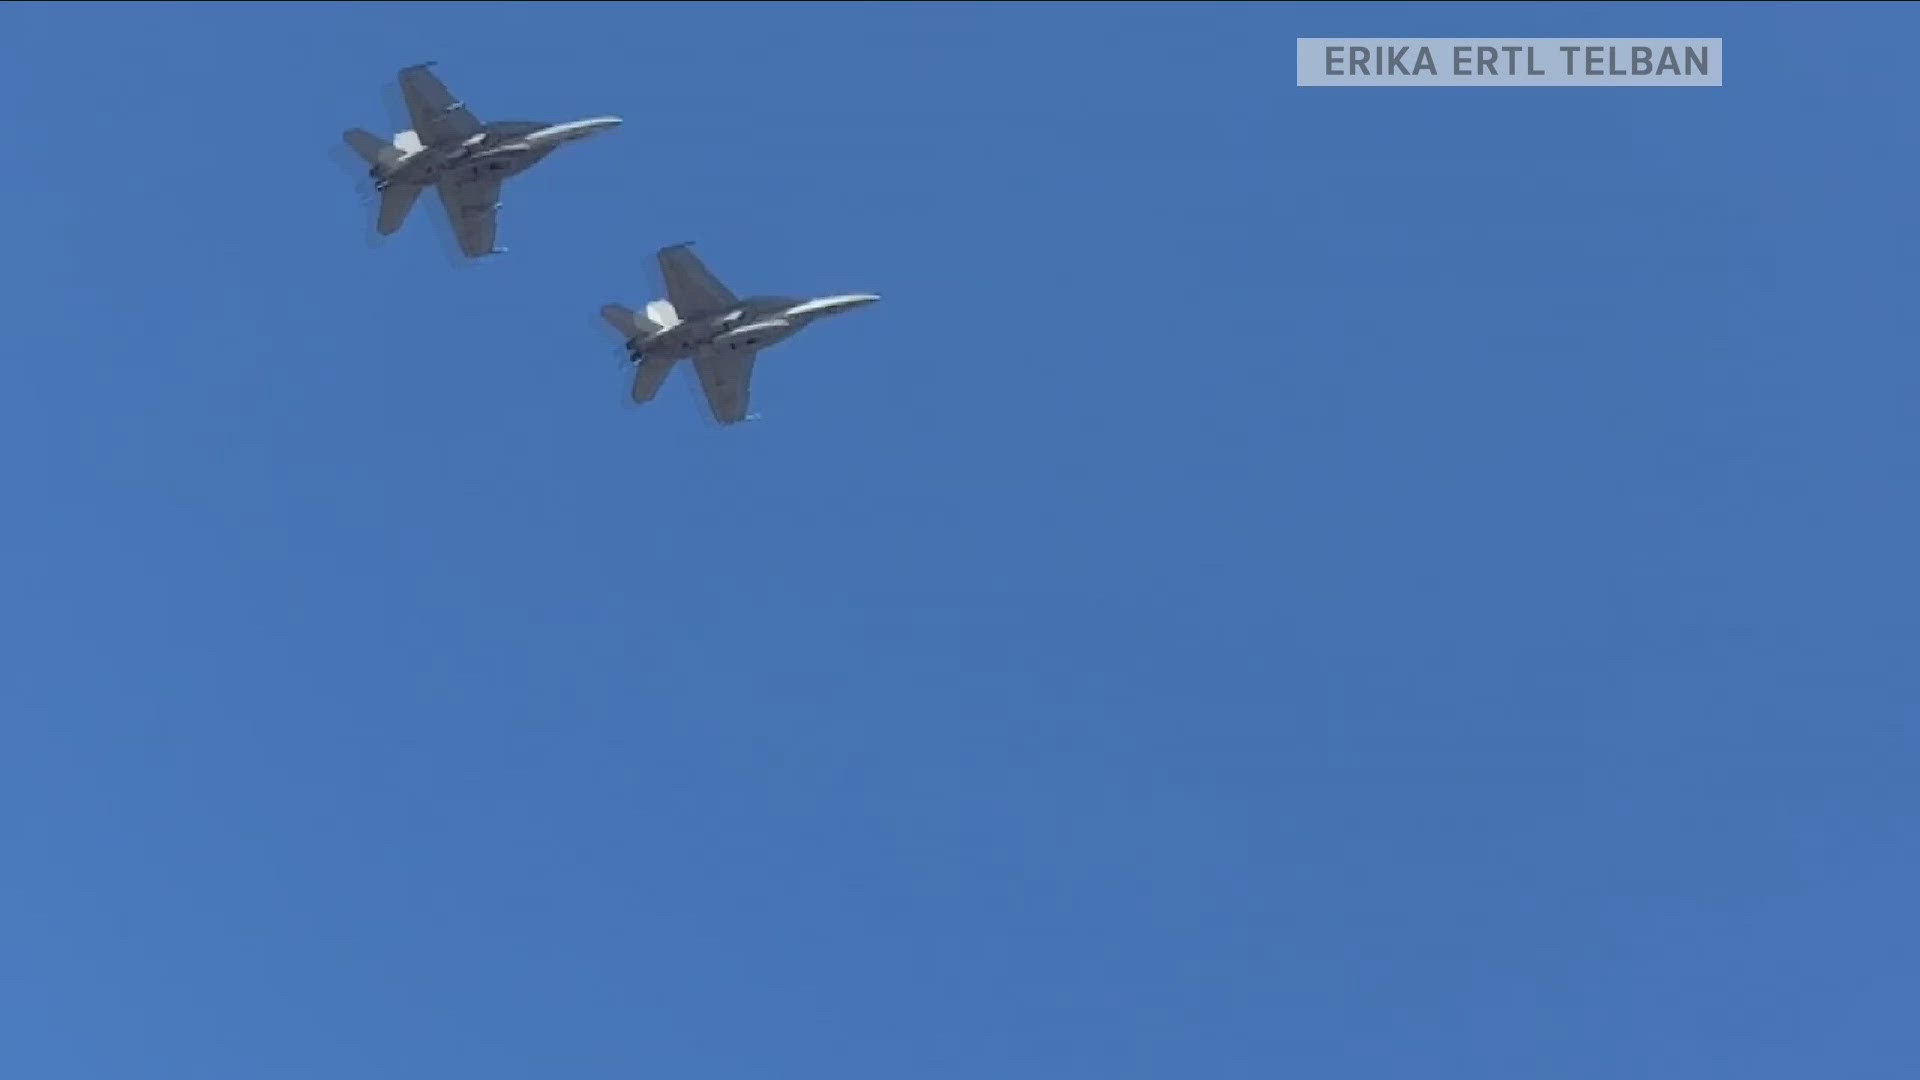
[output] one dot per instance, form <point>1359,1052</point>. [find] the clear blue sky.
<point>1334,584</point>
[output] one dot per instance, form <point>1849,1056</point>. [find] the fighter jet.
<point>451,150</point>
<point>700,319</point>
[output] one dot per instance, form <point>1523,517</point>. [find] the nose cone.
<point>832,305</point>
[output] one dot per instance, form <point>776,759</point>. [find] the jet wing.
<point>470,208</point>
<point>724,378</point>
<point>691,290</point>
<point>437,116</point>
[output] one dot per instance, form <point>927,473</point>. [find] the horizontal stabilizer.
<point>372,149</point>
<point>630,324</point>
<point>395,203</point>
<point>647,377</point>
<point>621,318</point>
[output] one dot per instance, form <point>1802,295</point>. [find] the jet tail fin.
<point>633,324</point>
<point>661,313</point>
<point>372,149</point>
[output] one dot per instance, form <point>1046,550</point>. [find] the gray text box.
<point>1508,62</point>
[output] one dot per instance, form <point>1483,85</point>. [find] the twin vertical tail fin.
<point>649,371</point>
<point>636,327</point>
<point>662,315</point>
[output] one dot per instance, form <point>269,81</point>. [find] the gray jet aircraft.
<point>700,319</point>
<point>467,160</point>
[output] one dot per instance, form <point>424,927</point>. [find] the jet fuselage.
<point>499,150</point>
<point>750,324</point>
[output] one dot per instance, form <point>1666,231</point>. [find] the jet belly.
<point>429,164</point>
<point>416,168</point>
<point>675,342</point>
<point>497,163</point>
<point>686,339</point>
<point>755,335</point>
